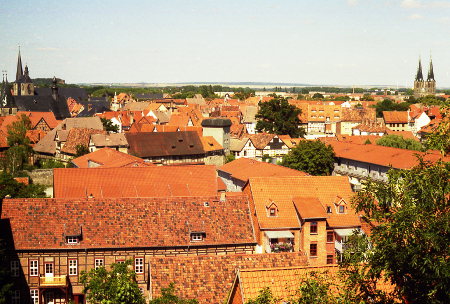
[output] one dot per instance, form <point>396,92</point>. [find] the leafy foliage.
<point>9,186</point>
<point>229,158</point>
<point>168,297</point>
<point>50,164</point>
<point>277,116</point>
<point>440,138</point>
<point>16,157</point>
<point>410,215</point>
<point>314,289</point>
<point>313,157</point>
<point>109,126</point>
<point>397,141</point>
<point>389,105</point>
<point>117,286</point>
<point>265,297</point>
<point>81,150</point>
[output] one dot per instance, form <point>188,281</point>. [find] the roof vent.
<point>180,140</point>
<point>206,204</point>
<point>173,147</point>
<point>191,146</point>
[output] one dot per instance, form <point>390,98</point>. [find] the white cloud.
<point>415,17</point>
<point>352,2</point>
<point>424,4</point>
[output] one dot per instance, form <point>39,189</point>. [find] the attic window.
<point>329,209</point>
<point>273,211</point>
<point>191,146</point>
<point>341,209</point>
<point>173,147</point>
<point>72,239</point>
<point>197,236</point>
<point>180,140</point>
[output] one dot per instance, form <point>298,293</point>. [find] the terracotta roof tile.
<point>127,222</point>
<point>282,190</point>
<point>395,116</point>
<point>194,279</point>
<point>155,181</point>
<point>309,207</point>
<point>78,137</point>
<point>210,144</point>
<point>261,140</point>
<point>108,158</point>
<point>244,168</point>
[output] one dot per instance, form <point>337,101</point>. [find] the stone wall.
<point>42,176</point>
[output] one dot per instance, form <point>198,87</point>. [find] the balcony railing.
<point>53,281</point>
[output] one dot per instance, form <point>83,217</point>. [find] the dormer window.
<point>341,209</point>
<point>72,239</point>
<point>329,209</point>
<point>197,236</point>
<point>272,210</point>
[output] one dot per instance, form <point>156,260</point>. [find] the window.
<point>341,209</point>
<point>196,237</point>
<point>120,261</point>
<point>139,265</point>
<point>15,297</point>
<point>313,250</point>
<point>34,296</point>
<point>72,239</point>
<point>34,268</point>
<point>330,236</point>
<point>313,228</point>
<point>273,211</point>
<point>73,267</point>
<point>48,268</point>
<point>329,209</point>
<point>15,268</point>
<point>99,263</point>
<point>330,259</point>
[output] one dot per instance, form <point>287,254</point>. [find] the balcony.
<point>54,281</point>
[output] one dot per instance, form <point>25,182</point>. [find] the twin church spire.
<point>419,75</point>
<point>424,87</point>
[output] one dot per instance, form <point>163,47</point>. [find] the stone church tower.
<point>422,87</point>
<point>23,86</point>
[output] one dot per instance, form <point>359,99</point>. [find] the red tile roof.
<point>194,278</point>
<point>309,207</point>
<point>395,116</point>
<point>155,181</point>
<point>282,190</point>
<point>127,222</point>
<point>381,155</point>
<point>244,168</point>
<point>78,137</point>
<point>109,158</point>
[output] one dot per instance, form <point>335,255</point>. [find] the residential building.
<point>236,174</point>
<point>397,120</point>
<point>115,141</point>
<point>50,242</point>
<point>108,158</point>
<point>311,214</point>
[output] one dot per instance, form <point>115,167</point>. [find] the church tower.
<point>23,86</point>
<point>422,87</point>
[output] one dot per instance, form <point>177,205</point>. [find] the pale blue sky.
<point>343,42</point>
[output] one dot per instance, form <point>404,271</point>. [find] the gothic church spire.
<point>419,76</point>
<point>431,72</point>
<point>19,72</point>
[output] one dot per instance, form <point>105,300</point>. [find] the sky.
<point>322,42</point>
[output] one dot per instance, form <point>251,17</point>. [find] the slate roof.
<point>283,190</point>
<point>154,144</point>
<point>108,158</point>
<point>155,181</point>
<point>78,94</point>
<point>127,222</point>
<point>37,103</point>
<point>93,107</point>
<point>244,168</point>
<point>194,279</point>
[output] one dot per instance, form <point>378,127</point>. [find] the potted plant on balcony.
<point>281,247</point>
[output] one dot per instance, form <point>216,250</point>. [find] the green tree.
<point>81,150</point>
<point>314,290</point>
<point>313,157</point>
<point>229,158</point>
<point>10,187</point>
<point>109,126</point>
<point>439,139</point>
<point>168,297</point>
<point>318,96</point>
<point>397,141</point>
<point>117,286</point>
<point>410,216</point>
<point>265,297</point>
<point>277,116</point>
<point>389,105</point>
<point>19,149</point>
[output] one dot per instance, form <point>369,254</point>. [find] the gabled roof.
<point>309,207</point>
<point>109,140</point>
<point>127,222</point>
<point>78,137</point>
<point>249,114</point>
<point>395,116</point>
<point>155,181</point>
<point>283,190</point>
<point>237,144</point>
<point>244,168</point>
<point>83,122</point>
<point>154,144</point>
<point>108,158</point>
<point>195,279</point>
<point>36,117</point>
<point>261,140</point>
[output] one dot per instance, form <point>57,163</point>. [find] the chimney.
<point>54,89</point>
